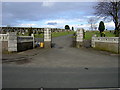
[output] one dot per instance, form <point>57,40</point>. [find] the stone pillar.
<point>47,38</point>
<point>33,40</point>
<point>12,41</point>
<point>79,37</point>
<point>93,41</point>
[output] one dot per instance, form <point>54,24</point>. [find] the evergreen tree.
<point>72,28</point>
<point>67,27</point>
<point>101,27</point>
<point>30,31</point>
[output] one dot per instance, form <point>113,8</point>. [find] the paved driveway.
<point>62,66</point>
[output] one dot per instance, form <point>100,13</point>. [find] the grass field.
<point>55,34</point>
<point>89,34</point>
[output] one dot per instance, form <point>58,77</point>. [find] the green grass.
<point>55,34</point>
<point>26,34</point>
<point>38,35</point>
<point>89,34</point>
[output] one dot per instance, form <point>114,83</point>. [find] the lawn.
<point>89,34</point>
<point>55,34</point>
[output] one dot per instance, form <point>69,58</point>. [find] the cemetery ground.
<point>88,34</point>
<point>62,66</point>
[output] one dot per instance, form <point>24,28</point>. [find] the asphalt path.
<point>63,66</point>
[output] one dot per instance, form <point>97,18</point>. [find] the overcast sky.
<point>49,14</point>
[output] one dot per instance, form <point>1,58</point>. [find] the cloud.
<point>28,25</point>
<point>65,21</point>
<point>16,12</point>
<point>48,4</point>
<point>52,23</point>
<point>110,25</point>
<point>49,14</point>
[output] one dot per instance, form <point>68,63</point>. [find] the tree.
<point>101,27</point>
<point>72,28</point>
<point>95,27</point>
<point>30,31</point>
<point>110,10</point>
<point>92,21</point>
<point>67,27</point>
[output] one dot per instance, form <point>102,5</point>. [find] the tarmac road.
<point>61,67</point>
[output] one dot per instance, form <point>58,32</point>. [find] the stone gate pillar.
<point>12,41</point>
<point>79,37</point>
<point>47,38</point>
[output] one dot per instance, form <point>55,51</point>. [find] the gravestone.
<point>47,38</point>
<point>79,37</point>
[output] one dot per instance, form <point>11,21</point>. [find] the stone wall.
<point>4,45</point>
<point>4,42</point>
<point>11,42</point>
<point>24,46</point>
<point>106,43</point>
<point>24,43</point>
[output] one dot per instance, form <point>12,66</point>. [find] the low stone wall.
<point>4,45</point>
<point>4,41</point>
<point>24,43</point>
<point>3,37</point>
<point>12,42</point>
<point>106,43</point>
<point>24,46</point>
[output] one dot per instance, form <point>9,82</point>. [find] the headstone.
<point>12,41</point>
<point>47,38</point>
<point>79,37</point>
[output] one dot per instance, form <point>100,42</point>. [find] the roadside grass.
<point>89,34</point>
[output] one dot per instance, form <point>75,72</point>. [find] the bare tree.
<point>92,21</point>
<point>109,10</point>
